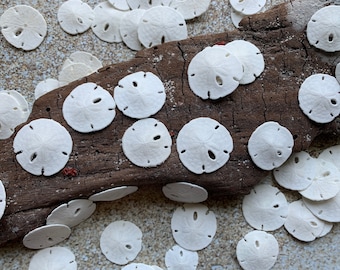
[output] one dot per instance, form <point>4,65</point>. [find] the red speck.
<point>172,133</point>
<point>70,172</point>
<point>221,43</point>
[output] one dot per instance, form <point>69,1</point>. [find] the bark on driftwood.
<point>99,159</point>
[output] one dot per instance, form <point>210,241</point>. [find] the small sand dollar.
<point>257,250</point>
<point>45,86</point>
<point>147,143</point>
<point>331,154</point>
<point>140,95</point>
<point>2,199</point>
<point>214,73</point>
<point>75,16</point>
<point>178,258</point>
<point>13,112</point>
<point>204,145</point>
<point>129,29</point>
<point>337,72</point>
<point>72,213</point>
<point>250,57</point>
<point>270,145</point>
<point>23,27</point>
<point>328,210</point>
<point>121,241</point>
<point>42,147</point>
<point>46,236</point>
<point>325,183</point>
<point>106,22</point>
<point>185,192</point>
<point>144,4</point>
<point>190,8</point>
<point>301,223</point>
<point>297,172</point>
<point>323,29</point>
<point>265,208</point>
<point>73,72</point>
<point>319,97</point>
<point>248,7</point>
<point>84,58</point>
<point>193,226</point>
<point>113,194</point>
<point>89,108</point>
<point>53,258</point>
<point>161,24</point>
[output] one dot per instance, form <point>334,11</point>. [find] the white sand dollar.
<point>73,72</point>
<point>265,208</point>
<point>328,210</point>
<point>327,228</point>
<point>325,183</point>
<point>161,24</point>
<point>270,145</point>
<point>297,172</point>
<point>250,57</point>
<point>193,226</point>
<point>257,250</point>
<point>2,199</point>
<point>319,97</point>
<point>214,73</point>
<point>45,86</point>
<point>85,58</point>
<point>128,29</point>
<point>331,154</point>
<point>89,108</point>
<point>75,16</point>
<point>113,194</point>
<point>178,258</point>
<point>204,145</point>
<point>53,258</point>
<point>301,223</point>
<point>144,4</point>
<point>323,29</point>
<point>106,22</point>
<point>121,241</point>
<point>337,72</point>
<point>137,266</point>
<point>13,112</point>
<point>72,213</point>
<point>147,143</point>
<point>185,192</point>
<point>190,8</point>
<point>23,27</point>
<point>43,146</point>
<point>46,236</point>
<point>140,94</point>
<point>248,7</point>
<point>236,17</point>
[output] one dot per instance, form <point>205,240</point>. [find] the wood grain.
<point>98,156</point>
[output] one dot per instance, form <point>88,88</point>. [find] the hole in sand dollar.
<point>219,80</point>
<point>97,100</point>
<point>334,101</point>
<point>33,156</point>
<point>211,155</point>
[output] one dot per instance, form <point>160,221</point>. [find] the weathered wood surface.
<point>99,159</point>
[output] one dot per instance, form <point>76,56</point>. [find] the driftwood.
<point>99,159</point>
